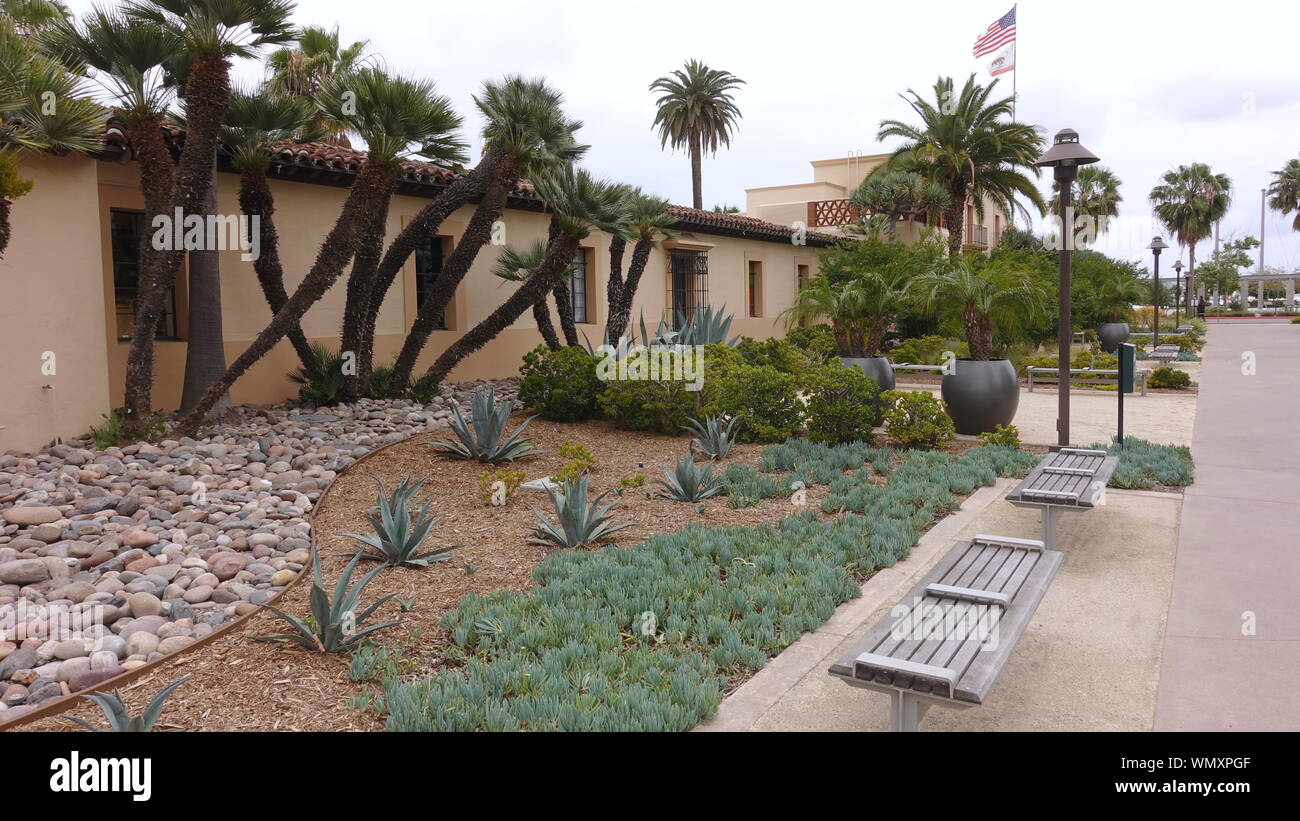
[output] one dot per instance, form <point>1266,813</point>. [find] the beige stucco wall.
<point>53,374</point>
<point>61,253</point>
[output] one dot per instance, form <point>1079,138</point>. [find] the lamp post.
<point>1178,289</point>
<point>1157,245</point>
<point>1064,158</point>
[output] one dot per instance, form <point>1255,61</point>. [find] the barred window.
<point>428,266</point>
<point>127,231</point>
<point>578,286</point>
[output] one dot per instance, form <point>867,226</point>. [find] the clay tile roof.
<point>739,223</point>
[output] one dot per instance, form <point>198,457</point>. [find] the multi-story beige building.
<point>823,204</point>
<point>69,283</point>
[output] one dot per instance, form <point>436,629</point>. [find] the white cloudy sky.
<point>1148,85</point>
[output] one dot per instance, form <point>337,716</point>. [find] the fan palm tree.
<point>840,303</point>
<point>1117,291</point>
<point>968,144</point>
<point>579,204</point>
<point>696,112</point>
<point>1188,201</point>
<point>397,117</point>
<point>897,193</point>
<point>29,82</point>
<point>34,16</point>
<point>982,300</point>
<point>255,122</point>
<point>1095,194</point>
<point>648,221</point>
<point>526,135</point>
<point>1284,191</point>
<point>299,71</point>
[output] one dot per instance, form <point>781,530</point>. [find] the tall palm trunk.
<point>564,307</point>
<point>477,234</point>
<point>542,315</point>
<point>356,381</point>
<point>697,176</point>
<point>5,205</point>
<point>1191,279</point>
<point>255,200</point>
<point>373,183</point>
<point>543,279</point>
<point>465,189</point>
<point>620,304</point>
<point>954,214</point>
<point>979,334</point>
<point>205,353</point>
<point>207,97</point>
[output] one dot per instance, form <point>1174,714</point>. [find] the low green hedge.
<point>645,638</point>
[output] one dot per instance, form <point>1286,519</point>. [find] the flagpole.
<point>1015,67</point>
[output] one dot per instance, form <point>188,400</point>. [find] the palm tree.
<point>300,70</point>
<point>1118,290</point>
<point>648,221</point>
<point>982,300</point>
<point>1284,191</point>
<point>255,122</point>
<point>897,193</point>
<point>859,309</point>
<point>970,146</point>
<point>28,81</point>
<point>34,16</point>
<point>518,266</point>
<point>1188,201</point>
<point>579,204</point>
<point>696,112</point>
<point>1095,195</point>
<point>397,117</point>
<point>526,134</point>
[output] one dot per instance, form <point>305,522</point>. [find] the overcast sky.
<point>1148,85</point>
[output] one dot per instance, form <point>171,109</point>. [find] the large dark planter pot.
<point>981,395</point>
<point>1111,334</point>
<point>876,367</point>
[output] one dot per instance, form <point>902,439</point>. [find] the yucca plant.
<point>690,482</point>
<point>398,532</point>
<point>483,441</point>
<point>119,720</point>
<point>714,436</point>
<point>332,625</point>
<point>581,522</point>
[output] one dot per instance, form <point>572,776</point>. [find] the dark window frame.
<point>429,256</point>
<point>578,294</point>
<point>688,284</point>
<point>124,254</point>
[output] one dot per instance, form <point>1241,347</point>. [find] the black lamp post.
<point>1178,289</point>
<point>1064,158</point>
<point>1157,245</point>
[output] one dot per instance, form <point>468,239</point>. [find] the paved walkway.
<point>1238,563</point>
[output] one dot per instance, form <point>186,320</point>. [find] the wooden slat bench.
<point>1165,354</point>
<point>1071,479</point>
<point>1037,374</point>
<point>950,636</point>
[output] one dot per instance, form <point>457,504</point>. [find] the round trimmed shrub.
<point>662,404</point>
<point>917,419</point>
<point>1167,377</point>
<point>765,400</point>
<point>559,385</point>
<point>843,405</point>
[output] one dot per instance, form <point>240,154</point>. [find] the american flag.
<point>1002,32</point>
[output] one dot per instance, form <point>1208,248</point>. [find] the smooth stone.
<point>29,516</point>
<point>141,644</point>
<point>144,604</point>
<point>24,571</point>
<point>173,643</point>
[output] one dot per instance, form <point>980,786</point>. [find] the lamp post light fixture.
<point>1157,245</point>
<point>1064,158</point>
<point>1178,290</point>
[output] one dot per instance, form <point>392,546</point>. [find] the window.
<point>803,279</point>
<point>127,231</point>
<point>755,288</point>
<point>428,266</point>
<point>688,283</point>
<point>578,286</point>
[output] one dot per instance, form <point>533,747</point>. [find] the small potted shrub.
<point>982,391</point>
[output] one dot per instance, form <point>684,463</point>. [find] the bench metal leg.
<point>905,712</point>
<point>1049,526</point>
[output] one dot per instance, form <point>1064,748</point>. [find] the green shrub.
<point>580,461</point>
<point>1185,342</point>
<point>1145,464</point>
<point>1167,377</point>
<point>843,405</point>
<point>321,383</point>
<point>1295,320</point>
<point>1002,435</point>
<point>818,341</point>
<point>559,385</point>
<point>116,431</point>
<point>779,354</point>
<point>661,404</point>
<point>765,400</point>
<point>917,419</point>
<point>927,350</point>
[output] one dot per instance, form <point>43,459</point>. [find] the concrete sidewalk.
<point>1238,562</point>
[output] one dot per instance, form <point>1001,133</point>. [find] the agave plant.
<point>483,441</point>
<point>119,720</point>
<point>714,436</point>
<point>690,482</point>
<point>581,523</point>
<point>399,533</point>
<point>332,625</point>
<point>706,327</point>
